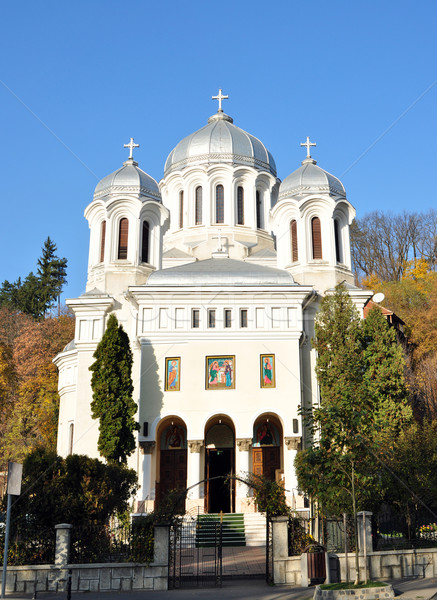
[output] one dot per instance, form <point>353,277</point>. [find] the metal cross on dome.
<point>308,144</point>
<point>220,97</point>
<point>131,146</point>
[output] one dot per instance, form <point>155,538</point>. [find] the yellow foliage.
<point>371,282</point>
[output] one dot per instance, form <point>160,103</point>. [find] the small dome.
<point>221,272</point>
<point>130,178</point>
<point>220,141</point>
<point>310,179</point>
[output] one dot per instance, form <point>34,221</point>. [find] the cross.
<point>131,146</point>
<point>308,144</point>
<point>220,97</point>
<point>219,238</point>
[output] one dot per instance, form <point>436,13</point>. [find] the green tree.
<point>112,387</point>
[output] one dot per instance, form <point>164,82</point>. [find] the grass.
<point>351,586</point>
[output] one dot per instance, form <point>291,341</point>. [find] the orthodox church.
<point>216,274</point>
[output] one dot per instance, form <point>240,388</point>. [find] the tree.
<point>112,387</point>
<point>37,293</point>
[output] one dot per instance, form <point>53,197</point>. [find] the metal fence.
<point>415,529</point>
<point>29,545</point>
<point>129,543</point>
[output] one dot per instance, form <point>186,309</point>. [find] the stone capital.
<point>195,446</point>
<point>147,447</point>
<point>293,443</point>
<point>244,444</point>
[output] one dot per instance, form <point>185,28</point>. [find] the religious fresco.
<point>174,437</point>
<point>172,374</point>
<point>268,379</point>
<point>220,372</point>
<point>265,434</point>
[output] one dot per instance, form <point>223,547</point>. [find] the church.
<point>216,274</point>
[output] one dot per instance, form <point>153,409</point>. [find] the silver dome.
<point>308,179</point>
<point>130,178</point>
<point>220,272</point>
<point>220,141</point>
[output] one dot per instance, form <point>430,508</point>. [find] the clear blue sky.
<point>78,79</point>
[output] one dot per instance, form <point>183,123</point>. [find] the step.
<point>232,529</point>
<point>255,529</point>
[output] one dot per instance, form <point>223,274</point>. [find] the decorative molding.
<point>293,443</point>
<point>221,157</point>
<point>195,446</point>
<point>244,444</point>
<point>147,447</point>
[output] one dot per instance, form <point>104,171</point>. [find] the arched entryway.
<point>172,468</point>
<point>267,457</point>
<point>219,463</point>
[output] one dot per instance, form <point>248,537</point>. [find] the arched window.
<point>240,205</point>
<point>219,204</point>
<point>316,233</point>
<point>337,242</point>
<point>122,238</point>
<point>70,438</point>
<point>198,207</point>
<point>102,241</point>
<point>293,237</point>
<point>181,209</point>
<point>145,243</point>
<point>258,211</point>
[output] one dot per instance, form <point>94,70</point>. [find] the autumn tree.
<point>112,387</point>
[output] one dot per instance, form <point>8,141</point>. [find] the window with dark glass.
<point>102,241</point>
<point>240,205</point>
<point>198,207</point>
<point>181,209</point>
<point>293,234</point>
<point>70,438</point>
<point>219,204</point>
<point>195,318</point>
<point>258,210</point>
<point>243,317</point>
<point>228,317</point>
<point>211,318</point>
<point>145,243</point>
<point>316,232</point>
<point>123,231</point>
<point>337,242</point>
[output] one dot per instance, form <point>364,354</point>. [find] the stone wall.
<point>375,593</point>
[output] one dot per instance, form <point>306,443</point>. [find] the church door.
<point>219,496</point>
<point>266,460</point>
<point>173,471</point>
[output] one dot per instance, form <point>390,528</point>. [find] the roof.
<point>220,141</point>
<point>221,272</point>
<point>129,178</point>
<point>310,178</point>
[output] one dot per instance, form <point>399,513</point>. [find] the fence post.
<point>160,546</point>
<point>364,519</point>
<point>62,550</point>
<point>279,547</point>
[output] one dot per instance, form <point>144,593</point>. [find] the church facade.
<point>216,274</point>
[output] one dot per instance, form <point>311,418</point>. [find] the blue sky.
<point>78,79</point>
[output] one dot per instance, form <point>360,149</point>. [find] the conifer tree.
<point>112,387</point>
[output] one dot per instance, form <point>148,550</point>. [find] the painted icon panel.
<point>172,374</point>
<point>268,378</point>
<point>220,372</point>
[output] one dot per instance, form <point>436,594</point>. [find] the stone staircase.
<point>255,529</point>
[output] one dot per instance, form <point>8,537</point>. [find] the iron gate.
<point>269,550</point>
<point>195,553</point>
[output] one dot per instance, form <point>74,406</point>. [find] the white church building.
<point>216,274</point>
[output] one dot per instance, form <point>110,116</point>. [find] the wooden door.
<point>173,471</point>
<point>266,460</point>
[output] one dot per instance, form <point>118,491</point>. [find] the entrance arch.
<point>172,455</point>
<point>267,452</point>
<point>219,463</point>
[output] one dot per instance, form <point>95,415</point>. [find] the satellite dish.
<point>379,297</point>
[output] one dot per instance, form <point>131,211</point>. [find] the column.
<point>146,451</point>
<point>293,445</point>
<point>243,445</point>
<point>193,468</point>
<point>62,551</point>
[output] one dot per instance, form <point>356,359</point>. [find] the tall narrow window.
<point>195,318</point>
<point>240,205</point>
<point>122,238</point>
<point>337,242</point>
<point>243,317</point>
<point>316,233</point>
<point>219,204</point>
<point>70,438</point>
<point>102,241</point>
<point>258,210</point>
<point>181,209</point>
<point>211,318</point>
<point>228,317</point>
<point>293,236</point>
<point>145,242</point>
<point>198,208</point>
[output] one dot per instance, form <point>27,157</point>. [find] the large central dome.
<point>220,141</point>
